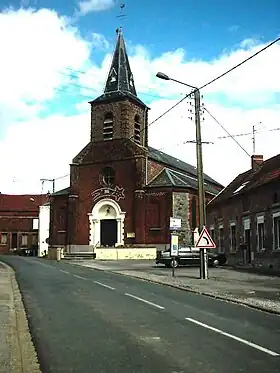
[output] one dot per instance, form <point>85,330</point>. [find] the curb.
<point>23,356</point>
<point>190,290</point>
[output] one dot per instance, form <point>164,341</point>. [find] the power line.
<point>91,89</point>
<point>220,124</point>
<point>213,80</point>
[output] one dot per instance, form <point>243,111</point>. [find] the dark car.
<point>190,256</point>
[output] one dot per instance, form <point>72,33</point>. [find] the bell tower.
<point>118,113</point>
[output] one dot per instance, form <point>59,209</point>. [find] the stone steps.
<point>79,256</point>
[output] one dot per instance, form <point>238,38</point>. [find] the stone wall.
<point>180,210</point>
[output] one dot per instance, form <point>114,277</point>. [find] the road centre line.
<point>251,344</point>
<point>104,285</point>
<point>62,270</point>
<point>145,301</point>
<point>82,278</point>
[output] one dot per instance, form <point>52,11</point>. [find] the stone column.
<point>139,212</point>
<point>119,232</point>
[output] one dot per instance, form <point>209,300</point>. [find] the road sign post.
<point>205,242</point>
<point>174,226</point>
<point>174,250</point>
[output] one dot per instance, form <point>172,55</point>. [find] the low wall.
<point>53,254</point>
<point>125,253</point>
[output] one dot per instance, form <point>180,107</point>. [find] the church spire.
<point>120,78</point>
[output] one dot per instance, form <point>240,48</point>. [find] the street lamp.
<point>200,176</point>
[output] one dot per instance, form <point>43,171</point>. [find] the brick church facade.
<point>122,191</point>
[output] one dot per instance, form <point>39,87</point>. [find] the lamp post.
<point>200,176</point>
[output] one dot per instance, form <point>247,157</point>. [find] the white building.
<point>44,228</point>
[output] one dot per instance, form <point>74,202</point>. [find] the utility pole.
<point>254,139</point>
<point>200,180</point>
<point>200,176</point>
<point>52,181</point>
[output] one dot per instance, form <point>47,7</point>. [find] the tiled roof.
<point>267,172</point>
<point>171,178</point>
<point>177,164</point>
<point>20,203</point>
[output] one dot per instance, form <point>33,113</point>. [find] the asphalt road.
<point>85,320</point>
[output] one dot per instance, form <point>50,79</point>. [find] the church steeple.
<point>118,113</point>
<point>120,77</point>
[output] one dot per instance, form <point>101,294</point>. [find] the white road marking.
<point>62,270</point>
<point>251,344</point>
<point>82,278</point>
<point>104,285</point>
<point>145,301</point>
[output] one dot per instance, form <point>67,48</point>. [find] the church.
<point>122,191</point>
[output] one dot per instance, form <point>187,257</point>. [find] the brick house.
<point>122,191</point>
<point>247,212</point>
<point>19,218</point>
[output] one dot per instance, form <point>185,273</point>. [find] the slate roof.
<point>21,203</point>
<point>120,82</point>
<point>62,192</point>
<point>245,182</point>
<point>171,178</point>
<point>177,164</point>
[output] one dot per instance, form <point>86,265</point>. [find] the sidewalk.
<point>260,292</point>
<point>17,353</point>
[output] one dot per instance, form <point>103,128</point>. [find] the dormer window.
<point>137,129</point>
<point>108,126</point>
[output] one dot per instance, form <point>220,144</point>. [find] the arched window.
<point>108,126</point>
<point>108,176</point>
<point>137,129</point>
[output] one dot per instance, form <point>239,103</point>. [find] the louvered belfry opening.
<point>108,125</point>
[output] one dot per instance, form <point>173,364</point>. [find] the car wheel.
<point>216,263</point>
<point>174,263</point>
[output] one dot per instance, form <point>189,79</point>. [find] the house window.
<point>233,237</point>
<point>221,239</point>
<point>137,129</point>
<point>34,239</point>
<point>24,239</point>
<point>108,126</point>
<point>260,236</point>
<point>108,176</point>
<point>276,231</point>
<point>3,238</point>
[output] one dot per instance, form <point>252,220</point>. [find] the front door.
<point>248,245</point>
<point>14,241</point>
<point>108,232</point>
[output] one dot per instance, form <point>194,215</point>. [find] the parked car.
<point>189,256</point>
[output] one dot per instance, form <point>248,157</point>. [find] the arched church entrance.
<point>106,224</point>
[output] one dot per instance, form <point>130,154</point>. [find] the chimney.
<point>256,161</point>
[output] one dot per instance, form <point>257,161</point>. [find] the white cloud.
<point>32,61</point>
<point>99,41</point>
<point>88,6</point>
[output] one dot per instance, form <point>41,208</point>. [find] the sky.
<point>55,57</point>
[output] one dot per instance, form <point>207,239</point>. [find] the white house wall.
<point>44,229</point>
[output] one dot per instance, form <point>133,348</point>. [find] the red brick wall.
<point>158,212</point>
<point>153,169</point>
<point>58,220</point>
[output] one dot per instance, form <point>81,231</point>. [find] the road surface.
<point>85,321</point>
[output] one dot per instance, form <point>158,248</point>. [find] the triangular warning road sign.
<point>205,241</point>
